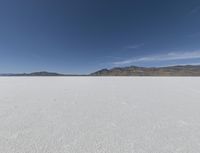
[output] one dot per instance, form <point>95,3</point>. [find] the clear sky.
<point>82,36</point>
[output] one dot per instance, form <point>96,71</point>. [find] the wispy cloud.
<point>194,35</point>
<point>135,46</point>
<point>195,10</point>
<point>161,57</point>
<point>185,63</point>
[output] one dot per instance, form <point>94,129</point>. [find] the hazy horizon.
<point>108,68</point>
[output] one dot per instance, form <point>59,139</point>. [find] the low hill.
<point>42,73</point>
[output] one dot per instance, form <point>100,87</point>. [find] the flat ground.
<point>99,115</point>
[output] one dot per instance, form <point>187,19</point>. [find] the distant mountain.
<point>42,73</point>
<point>185,70</point>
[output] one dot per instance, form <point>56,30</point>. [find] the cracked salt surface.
<point>99,115</point>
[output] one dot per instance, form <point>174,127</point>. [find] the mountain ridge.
<point>40,73</point>
<point>178,70</point>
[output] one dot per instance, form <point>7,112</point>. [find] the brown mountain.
<point>186,70</point>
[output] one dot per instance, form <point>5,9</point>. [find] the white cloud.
<point>161,57</point>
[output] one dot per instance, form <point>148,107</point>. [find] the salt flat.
<point>99,115</point>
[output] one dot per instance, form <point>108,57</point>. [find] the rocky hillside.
<point>187,70</point>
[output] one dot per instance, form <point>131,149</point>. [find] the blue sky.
<point>82,36</point>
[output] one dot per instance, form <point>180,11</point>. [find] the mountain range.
<point>182,70</point>
<point>186,70</point>
<point>42,73</point>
